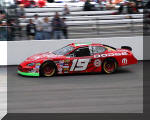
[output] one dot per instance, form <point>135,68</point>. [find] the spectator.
<point>23,20</point>
<point>21,11</point>
<point>39,32</point>
<point>11,29</point>
<point>17,2</point>
<point>39,29</point>
<point>57,26</point>
<point>32,3</point>
<point>31,29</point>
<point>26,3</point>
<point>21,17</point>
<point>3,32</point>
<point>132,8</point>
<point>139,4</point>
<point>122,8</point>
<point>88,6</point>
<point>66,10</point>
<point>101,5</point>
<point>36,19</point>
<point>50,1</point>
<point>47,29</point>
<point>110,5</point>
<point>128,8</point>
<point>2,15</point>
<point>147,6</point>
<point>64,28</point>
<point>41,3</point>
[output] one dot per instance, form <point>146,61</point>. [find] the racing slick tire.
<point>109,66</point>
<point>47,69</point>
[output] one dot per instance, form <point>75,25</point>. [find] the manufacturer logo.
<point>124,61</point>
<point>110,54</point>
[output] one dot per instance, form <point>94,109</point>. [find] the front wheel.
<point>47,69</point>
<point>109,66</point>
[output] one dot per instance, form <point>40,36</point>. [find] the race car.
<point>78,58</point>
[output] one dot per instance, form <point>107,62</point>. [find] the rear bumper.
<point>27,74</point>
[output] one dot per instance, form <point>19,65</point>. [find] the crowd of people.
<point>3,34</point>
<point>47,29</point>
<point>130,7</point>
<point>36,28</point>
<point>31,3</point>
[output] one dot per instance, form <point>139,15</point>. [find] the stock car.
<point>78,58</point>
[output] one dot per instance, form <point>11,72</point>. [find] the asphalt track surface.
<point>121,92</point>
<point>3,91</point>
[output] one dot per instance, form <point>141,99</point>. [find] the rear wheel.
<point>109,66</point>
<point>48,69</point>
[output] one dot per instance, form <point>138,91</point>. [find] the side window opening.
<point>98,49</point>
<point>81,52</point>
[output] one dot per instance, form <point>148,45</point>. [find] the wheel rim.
<point>109,66</point>
<point>48,70</point>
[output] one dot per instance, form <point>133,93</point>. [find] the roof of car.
<point>82,44</point>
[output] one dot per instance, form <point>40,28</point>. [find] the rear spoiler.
<point>126,47</point>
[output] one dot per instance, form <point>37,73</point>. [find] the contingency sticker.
<point>97,63</point>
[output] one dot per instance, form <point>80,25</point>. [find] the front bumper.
<point>28,74</point>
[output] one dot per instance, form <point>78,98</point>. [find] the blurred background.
<point>70,19</point>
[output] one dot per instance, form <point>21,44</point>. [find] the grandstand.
<point>85,24</point>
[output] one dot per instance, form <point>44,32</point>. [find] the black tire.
<point>109,66</point>
<point>47,69</point>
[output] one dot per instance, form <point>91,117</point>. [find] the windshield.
<point>63,51</point>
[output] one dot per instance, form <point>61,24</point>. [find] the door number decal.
<point>79,64</point>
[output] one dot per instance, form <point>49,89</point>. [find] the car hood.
<point>40,56</point>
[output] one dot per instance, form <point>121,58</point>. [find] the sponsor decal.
<point>66,61</point>
<point>61,65</point>
<point>110,54</point>
<point>37,65</point>
<point>59,68</point>
<point>61,62</point>
<point>96,56</point>
<point>33,71</point>
<point>97,63</point>
<point>124,61</point>
<point>66,72</point>
<point>65,66</point>
<point>66,69</point>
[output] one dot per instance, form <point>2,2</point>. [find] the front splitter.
<point>28,74</point>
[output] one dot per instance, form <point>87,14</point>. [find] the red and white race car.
<point>77,58</point>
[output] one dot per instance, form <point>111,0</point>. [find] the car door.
<point>80,60</point>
